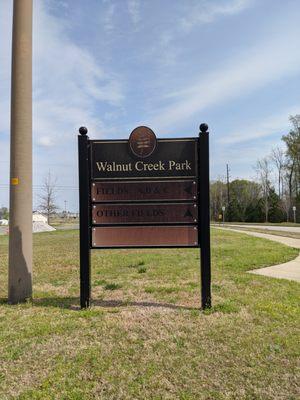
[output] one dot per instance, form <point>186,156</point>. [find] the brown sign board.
<point>144,191</point>
<point>145,236</point>
<point>171,158</point>
<point>158,213</point>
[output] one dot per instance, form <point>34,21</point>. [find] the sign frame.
<point>202,201</point>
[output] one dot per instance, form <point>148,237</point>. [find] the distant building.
<point>72,215</point>
<point>68,214</point>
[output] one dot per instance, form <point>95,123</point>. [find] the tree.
<point>263,171</point>
<point>47,197</point>
<point>292,166</point>
<point>217,198</point>
<point>3,213</point>
<point>276,213</point>
<point>278,159</point>
<point>244,195</point>
<point>286,200</point>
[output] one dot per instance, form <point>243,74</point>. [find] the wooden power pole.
<point>20,210</point>
<point>227,182</point>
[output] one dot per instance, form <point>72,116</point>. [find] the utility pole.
<point>20,211</point>
<point>228,194</point>
<point>65,201</point>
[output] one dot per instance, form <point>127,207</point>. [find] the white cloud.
<point>109,18</point>
<point>69,89</point>
<point>166,50</point>
<point>45,141</point>
<point>68,81</point>
<point>207,11</point>
<point>134,11</point>
<point>5,62</point>
<point>268,126</point>
<point>273,59</point>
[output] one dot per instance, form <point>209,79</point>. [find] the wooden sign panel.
<point>171,158</point>
<point>159,213</point>
<point>145,236</point>
<point>144,191</point>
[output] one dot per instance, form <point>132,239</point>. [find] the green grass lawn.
<point>293,235</point>
<point>296,225</point>
<point>144,337</point>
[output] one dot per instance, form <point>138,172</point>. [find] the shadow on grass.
<point>72,303</point>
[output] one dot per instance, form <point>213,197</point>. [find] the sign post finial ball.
<point>203,128</point>
<point>83,130</point>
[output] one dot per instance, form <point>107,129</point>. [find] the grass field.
<point>292,224</point>
<point>293,235</point>
<point>144,337</point>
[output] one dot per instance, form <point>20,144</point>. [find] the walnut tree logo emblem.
<point>142,141</point>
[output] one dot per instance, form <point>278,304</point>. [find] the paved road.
<point>3,229</point>
<point>295,229</point>
<point>67,226</point>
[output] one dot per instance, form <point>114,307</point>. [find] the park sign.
<point>143,192</point>
<point>171,159</point>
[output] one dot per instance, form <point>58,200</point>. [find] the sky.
<point>113,65</point>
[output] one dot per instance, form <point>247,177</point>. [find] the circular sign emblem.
<point>142,141</point>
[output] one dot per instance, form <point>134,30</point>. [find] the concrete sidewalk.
<point>289,270</point>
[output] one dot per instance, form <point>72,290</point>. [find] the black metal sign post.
<point>204,215</point>
<point>144,192</point>
<point>84,219</point>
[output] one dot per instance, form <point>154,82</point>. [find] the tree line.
<point>273,195</point>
